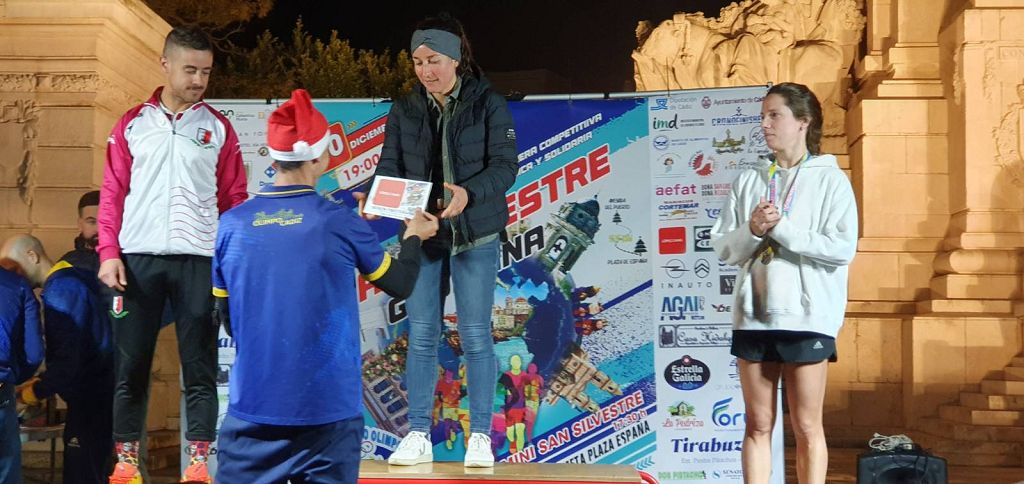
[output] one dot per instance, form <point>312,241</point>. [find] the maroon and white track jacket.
<point>167,179</point>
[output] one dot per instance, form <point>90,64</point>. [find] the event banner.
<point>699,142</point>
<point>608,299</point>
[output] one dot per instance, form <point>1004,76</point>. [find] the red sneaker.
<point>196,474</point>
<point>125,473</point>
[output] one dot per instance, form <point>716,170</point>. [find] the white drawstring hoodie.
<point>804,286</point>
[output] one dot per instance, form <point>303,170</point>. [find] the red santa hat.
<point>296,131</point>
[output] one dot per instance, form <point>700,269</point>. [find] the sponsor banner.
<point>611,314</point>
<point>572,338</point>
<point>700,142</point>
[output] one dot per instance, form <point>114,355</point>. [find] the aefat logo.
<point>681,308</point>
<point>702,238</point>
<point>687,373</point>
<point>662,124</point>
<point>660,142</point>
<point>723,417</point>
<point>674,190</point>
<point>712,446</point>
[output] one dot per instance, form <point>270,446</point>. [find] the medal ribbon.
<point>772,185</point>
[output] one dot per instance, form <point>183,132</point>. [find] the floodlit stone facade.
<point>930,104</point>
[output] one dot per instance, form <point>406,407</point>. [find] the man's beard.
<point>82,243</point>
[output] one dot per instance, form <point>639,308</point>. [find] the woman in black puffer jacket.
<point>456,132</point>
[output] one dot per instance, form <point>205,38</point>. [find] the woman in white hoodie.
<point>791,226</point>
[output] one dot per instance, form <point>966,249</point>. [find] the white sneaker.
<point>414,449</point>
<point>478,451</point>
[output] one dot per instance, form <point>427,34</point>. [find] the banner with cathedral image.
<point>582,349</point>
<point>571,303</point>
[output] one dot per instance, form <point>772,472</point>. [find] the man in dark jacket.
<point>79,357</point>
<point>84,255</point>
<point>21,352</point>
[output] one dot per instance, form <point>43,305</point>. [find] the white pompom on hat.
<point>297,131</point>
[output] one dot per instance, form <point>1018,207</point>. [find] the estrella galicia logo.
<point>722,417</point>
<point>660,104</point>
<point>702,238</point>
<point>660,142</point>
<point>726,284</point>
<point>687,373</point>
<point>702,268</point>
<point>706,102</point>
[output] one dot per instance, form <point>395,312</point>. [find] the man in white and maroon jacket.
<point>173,167</point>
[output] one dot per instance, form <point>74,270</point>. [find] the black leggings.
<point>184,280</point>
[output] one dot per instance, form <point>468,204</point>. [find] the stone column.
<point>68,70</point>
<point>965,329</point>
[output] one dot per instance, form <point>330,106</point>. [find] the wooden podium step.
<point>379,472</point>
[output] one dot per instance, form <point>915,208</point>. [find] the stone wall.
<point>930,98</point>
<point>68,70</point>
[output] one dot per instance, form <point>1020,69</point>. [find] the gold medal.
<point>767,255</point>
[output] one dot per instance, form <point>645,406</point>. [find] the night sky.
<point>587,42</point>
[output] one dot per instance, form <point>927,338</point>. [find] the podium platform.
<point>379,472</point>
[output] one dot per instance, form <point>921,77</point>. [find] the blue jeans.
<point>10,437</point>
<point>473,281</point>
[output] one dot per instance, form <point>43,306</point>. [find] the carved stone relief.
<point>26,113</point>
<point>755,42</point>
<point>1009,138</point>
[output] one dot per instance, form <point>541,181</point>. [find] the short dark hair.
<point>188,37</point>
<point>89,199</point>
<point>286,166</point>
<point>805,106</point>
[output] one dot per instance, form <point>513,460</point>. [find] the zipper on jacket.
<point>170,175</point>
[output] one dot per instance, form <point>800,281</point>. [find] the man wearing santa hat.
<point>284,286</point>
<point>173,168</point>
